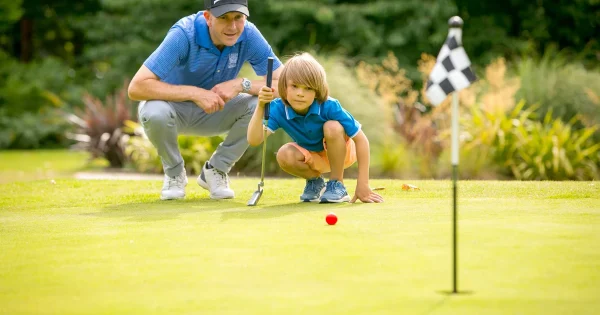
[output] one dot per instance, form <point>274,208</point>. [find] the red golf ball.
<point>331,219</point>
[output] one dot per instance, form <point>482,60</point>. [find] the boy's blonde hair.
<point>306,70</point>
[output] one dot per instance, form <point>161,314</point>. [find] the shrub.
<point>100,126</point>
<point>563,89</point>
<point>528,149</point>
<point>43,129</point>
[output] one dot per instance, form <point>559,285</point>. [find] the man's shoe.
<point>216,182</point>
<point>313,189</point>
<point>174,187</point>
<point>335,192</point>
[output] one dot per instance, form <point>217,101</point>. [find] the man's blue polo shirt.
<point>307,130</point>
<point>187,55</point>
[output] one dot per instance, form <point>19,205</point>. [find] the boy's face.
<point>225,29</point>
<point>300,97</point>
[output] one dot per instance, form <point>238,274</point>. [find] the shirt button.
<point>218,70</point>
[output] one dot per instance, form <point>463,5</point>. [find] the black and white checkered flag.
<point>452,70</point>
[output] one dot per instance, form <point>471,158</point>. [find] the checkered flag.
<point>452,70</point>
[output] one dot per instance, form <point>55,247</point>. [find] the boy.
<point>327,137</point>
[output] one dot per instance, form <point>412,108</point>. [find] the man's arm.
<point>145,85</point>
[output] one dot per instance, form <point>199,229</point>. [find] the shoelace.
<point>336,186</point>
<point>222,178</point>
<point>312,187</point>
<point>175,181</point>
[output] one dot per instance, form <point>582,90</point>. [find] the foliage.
<point>32,130</point>
<point>100,126</point>
<point>144,158</point>
<point>561,88</point>
<point>528,149</point>
<point>516,27</point>
<point>25,87</point>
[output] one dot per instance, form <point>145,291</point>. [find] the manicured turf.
<point>110,247</point>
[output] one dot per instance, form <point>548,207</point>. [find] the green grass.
<point>39,164</point>
<point>110,247</point>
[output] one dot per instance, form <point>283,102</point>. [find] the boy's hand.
<point>365,194</point>
<point>265,95</point>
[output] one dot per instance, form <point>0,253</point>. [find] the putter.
<point>258,193</point>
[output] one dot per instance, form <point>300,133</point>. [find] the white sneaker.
<point>216,182</point>
<point>174,187</point>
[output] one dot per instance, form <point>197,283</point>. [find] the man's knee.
<point>156,113</point>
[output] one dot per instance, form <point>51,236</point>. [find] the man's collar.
<point>314,109</point>
<point>203,35</point>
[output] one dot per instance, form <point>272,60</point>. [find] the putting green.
<point>110,247</point>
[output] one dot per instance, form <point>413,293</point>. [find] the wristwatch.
<point>246,85</point>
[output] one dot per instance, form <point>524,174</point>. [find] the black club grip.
<point>269,81</point>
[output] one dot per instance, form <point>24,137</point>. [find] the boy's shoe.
<point>335,192</point>
<point>313,189</point>
<point>174,187</point>
<point>216,182</point>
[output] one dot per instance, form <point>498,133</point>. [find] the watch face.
<point>246,85</point>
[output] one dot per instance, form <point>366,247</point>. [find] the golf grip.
<point>269,81</point>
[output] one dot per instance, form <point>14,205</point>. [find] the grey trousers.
<point>164,120</point>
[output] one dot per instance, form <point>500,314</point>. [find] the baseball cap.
<point>220,7</point>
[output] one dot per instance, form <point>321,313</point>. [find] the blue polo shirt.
<point>187,55</point>
<point>307,130</point>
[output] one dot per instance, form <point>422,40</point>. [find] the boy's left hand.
<point>365,194</point>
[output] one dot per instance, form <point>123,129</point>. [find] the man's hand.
<point>365,194</point>
<point>209,101</point>
<point>265,95</point>
<point>228,89</point>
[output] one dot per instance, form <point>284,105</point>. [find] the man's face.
<point>225,29</point>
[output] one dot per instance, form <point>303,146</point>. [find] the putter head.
<point>255,196</point>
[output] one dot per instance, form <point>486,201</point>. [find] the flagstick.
<point>455,130</point>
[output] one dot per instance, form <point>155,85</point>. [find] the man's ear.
<point>207,16</point>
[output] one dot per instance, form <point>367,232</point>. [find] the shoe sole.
<point>344,199</point>
<point>172,198</point>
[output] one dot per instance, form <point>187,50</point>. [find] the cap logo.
<point>216,1</point>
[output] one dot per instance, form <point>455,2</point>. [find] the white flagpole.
<point>455,22</point>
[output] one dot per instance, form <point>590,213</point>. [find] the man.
<point>190,85</point>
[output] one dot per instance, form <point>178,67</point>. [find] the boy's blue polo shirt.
<point>187,55</point>
<point>307,130</point>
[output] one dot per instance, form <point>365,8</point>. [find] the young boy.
<point>327,137</point>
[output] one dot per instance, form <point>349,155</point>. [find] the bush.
<point>100,126</point>
<point>44,129</point>
<point>563,89</point>
<point>527,149</point>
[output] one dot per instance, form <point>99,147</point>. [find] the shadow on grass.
<point>280,210</point>
<point>164,210</point>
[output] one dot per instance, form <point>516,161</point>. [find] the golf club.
<point>258,193</point>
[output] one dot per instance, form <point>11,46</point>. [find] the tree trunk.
<point>26,40</point>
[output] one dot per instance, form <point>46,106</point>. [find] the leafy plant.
<point>100,126</point>
<point>523,147</point>
<point>32,130</point>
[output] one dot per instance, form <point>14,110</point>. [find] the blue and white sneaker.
<point>313,189</point>
<point>335,192</point>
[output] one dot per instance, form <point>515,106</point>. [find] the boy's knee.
<point>333,128</point>
<point>287,155</point>
<point>156,113</point>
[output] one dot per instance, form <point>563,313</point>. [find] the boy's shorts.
<point>319,162</point>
